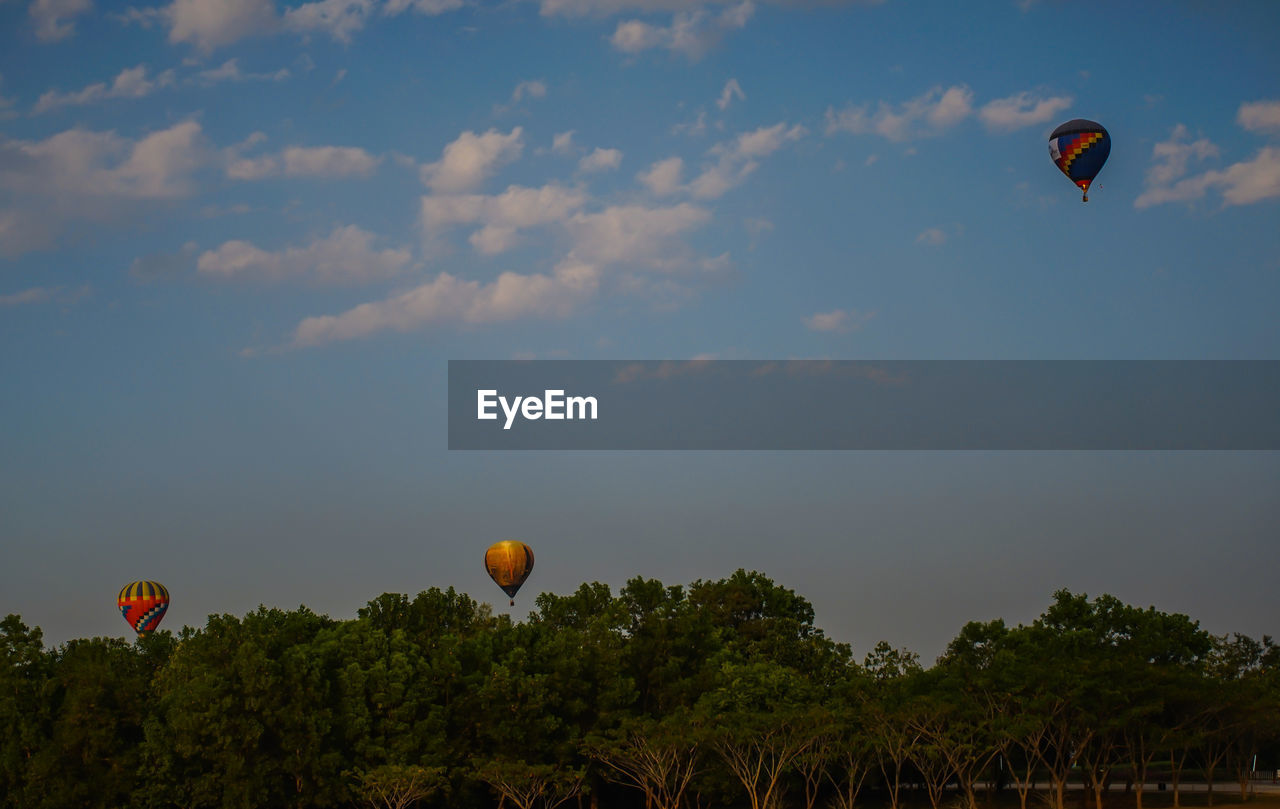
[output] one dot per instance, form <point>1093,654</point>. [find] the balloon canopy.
<point>1080,148</point>
<point>509,564</point>
<point>143,604</point>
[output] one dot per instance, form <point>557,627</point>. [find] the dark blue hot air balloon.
<point>1080,149</point>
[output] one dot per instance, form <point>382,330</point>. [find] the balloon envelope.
<point>509,564</point>
<point>1080,148</point>
<point>143,604</point>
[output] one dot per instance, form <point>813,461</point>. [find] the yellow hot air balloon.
<point>509,564</point>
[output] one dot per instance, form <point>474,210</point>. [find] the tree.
<point>1246,672</point>
<point>393,786</point>
<point>969,680</point>
<point>886,712</point>
<point>94,706</point>
<point>762,718</point>
<point>246,716</point>
<point>24,671</point>
<point>657,757</point>
<point>530,786</point>
<point>852,753</point>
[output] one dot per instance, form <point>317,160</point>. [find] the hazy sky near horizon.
<point>239,243</point>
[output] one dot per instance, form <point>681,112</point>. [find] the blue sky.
<point>240,240</point>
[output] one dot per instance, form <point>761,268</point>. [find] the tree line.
<point>719,693</point>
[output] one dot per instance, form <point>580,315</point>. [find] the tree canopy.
<point>716,693</point>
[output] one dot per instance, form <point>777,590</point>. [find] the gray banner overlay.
<point>867,405</point>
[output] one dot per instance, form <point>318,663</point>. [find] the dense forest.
<point>719,693</point>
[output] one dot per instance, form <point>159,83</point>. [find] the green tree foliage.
<point>657,757</point>
<point>722,692</point>
<point>393,786</point>
<point>528,785</point>
<point>23,680</point>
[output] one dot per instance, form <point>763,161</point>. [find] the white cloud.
<point>472,158</point>
<point>534,89</point>
<point>563,142</point>
<point>928,114</point>
<point>838,321</point>
<point>600,160</point>
<point>299,161</point>
<point>731,90</point>
<point>79,165</point>
<point>230,71</point>
<point>130,83</point>
<point>932,236</point>
<point>429,8</point>
<point>448,299</point>
<point>663,177</point>
<point>1260,116</point>
<point>716,180</point>
<point>954,106</point>
<point>346,255</point>
<point>84,175</point>
<point>144,17</point>
<point>735,161</point>
<point>1172,156</point>
<point>740,157</point>
<point>160,165</point>
<point>59,294</point>
<point>1240,183</point>
<point>635,36</point>
<point>25,229</point>
<point>493,239</point>
<point>635,234</point>
<point>691,33</point>
<point>500,216</point>
<point>252,168</point>
<point>1021,110</point>
<point>55,19</point>
<point>697,126</point>
<point>328,161</point>
<point>337,18</point>
<point>1254,181</point>
<point>761,142</point>
<point>605,8</point>
<point>1170,163</point>
<point>210,24</point>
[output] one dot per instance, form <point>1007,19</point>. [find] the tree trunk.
<point>1175,771</point>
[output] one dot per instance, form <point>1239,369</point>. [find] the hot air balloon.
<point>1080,149</point>
<point>509,564</point>
<point>143,604</point>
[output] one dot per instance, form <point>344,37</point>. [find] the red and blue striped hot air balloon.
<point>143,604</point>
<point>1080,149</point>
